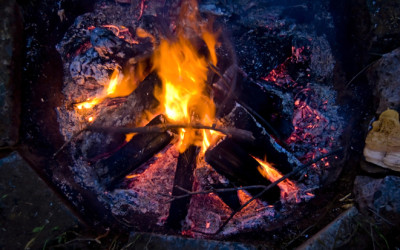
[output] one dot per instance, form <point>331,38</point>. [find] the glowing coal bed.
<point>112,45</point>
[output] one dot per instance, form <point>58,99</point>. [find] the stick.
<point>231,132</point>
<point>216,190</point>
<point>239,134</point>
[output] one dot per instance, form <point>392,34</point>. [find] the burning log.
<point>267,104</point>
<point>232,161</point>
<point>264,145</point>
<point>137,151</point>
<point>183,179</point>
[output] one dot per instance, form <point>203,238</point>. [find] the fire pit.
<point>179,120</point>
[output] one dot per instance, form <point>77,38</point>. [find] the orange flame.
<point>184,75</point>
<point>289,189</point>
<point>118,86</point>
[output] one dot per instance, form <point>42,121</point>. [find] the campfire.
<point>167,129</point>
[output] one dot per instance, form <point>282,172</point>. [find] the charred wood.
<point>107,44</point>
<point>232,161</point>
<point>127,114</point>
<point>229,198</point>
<point>269,106</point>
<point>184,179</point>
<point>264,146</point>
<point>137,151</point>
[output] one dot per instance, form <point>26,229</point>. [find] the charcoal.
<point>183,178</point>
<point>137,151</point>
<point>232,161</point>
<point>264,145</point>
<point>108,45</point>
<point>229,198</point>
<point>105,42</point>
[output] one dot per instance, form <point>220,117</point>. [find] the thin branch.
<point>359,73</point>
<point>217,190</point>
<point>380,216</point>
<point>231,132</point>
<point>266,188</point>
<point>73,137</point>
<point>239,134</point>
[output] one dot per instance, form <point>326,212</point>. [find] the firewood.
<point>137,151</point>
<point>266,103</point>
<point>232,161</point>
<point>229,198</point>
<point>183,179</point>
<point>264,146</point>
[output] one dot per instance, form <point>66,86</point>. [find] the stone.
<point>10,68</point>
<point>381,197</point>
<point>334,235</point>
<point>384,21</point>
<point>384,76</point>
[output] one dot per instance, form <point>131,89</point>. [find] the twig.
<point>359,73</point>
<point>232,132</point>
<point>73,137</point>
<point>239,134</point>
<point>219,190</point>
<point>265,189</point>
<point>380,216</point>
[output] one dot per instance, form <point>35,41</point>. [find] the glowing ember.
<point>184,74</point>
<point>289,190</point>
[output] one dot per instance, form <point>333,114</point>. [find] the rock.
<point>379,196</point>
<point>10,68</point>
<point>385,25</point>
<point>384,76</point>
<point>334,235</point>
